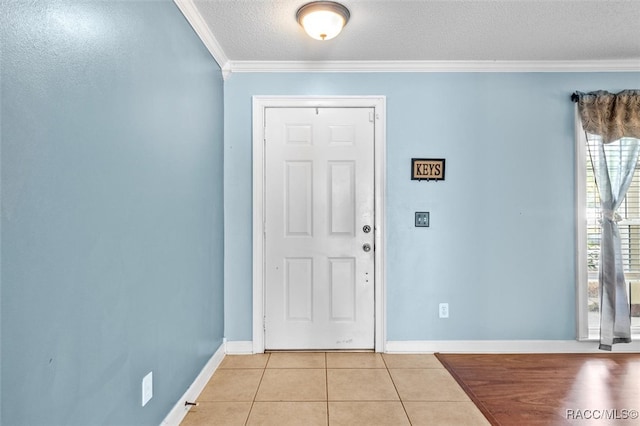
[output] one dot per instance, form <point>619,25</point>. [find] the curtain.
<point>615,119</point>
<point>610,116</point>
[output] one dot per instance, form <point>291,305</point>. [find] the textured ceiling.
<point>422,30</point>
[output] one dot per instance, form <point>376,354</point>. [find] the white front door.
<point>319,228</point>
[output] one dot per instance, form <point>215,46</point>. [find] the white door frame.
<point>259,105</point>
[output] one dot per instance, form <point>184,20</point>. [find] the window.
<point>588,214</point>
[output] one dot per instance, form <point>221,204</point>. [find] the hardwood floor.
<point>551,389</point>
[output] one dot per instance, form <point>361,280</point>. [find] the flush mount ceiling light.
<point>323,20</point>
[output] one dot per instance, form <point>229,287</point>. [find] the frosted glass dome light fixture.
<point>323,20</point>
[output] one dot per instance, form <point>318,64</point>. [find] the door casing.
<point>258,167</point>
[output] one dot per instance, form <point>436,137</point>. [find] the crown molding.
<point>436,66</point>
<point>193,16</point>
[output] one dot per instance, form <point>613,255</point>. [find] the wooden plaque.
<point>427,169</point>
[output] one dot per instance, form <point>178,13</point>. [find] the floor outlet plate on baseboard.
<point>147,388</point>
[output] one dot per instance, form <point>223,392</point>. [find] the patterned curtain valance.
<point>610,115</point>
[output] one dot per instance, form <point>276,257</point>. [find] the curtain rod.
<point>575,97</point>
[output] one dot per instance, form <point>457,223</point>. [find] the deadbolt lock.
<point>366,229</point>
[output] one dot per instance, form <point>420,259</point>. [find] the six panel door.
<point>319,233</point>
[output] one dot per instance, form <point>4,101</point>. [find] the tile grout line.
<point>326,383</point>
<point>246,422</point>
<point>396,388</point>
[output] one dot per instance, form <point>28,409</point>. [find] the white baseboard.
<point>239,347</point>
<point>503,346</point>
<point>473,346</point>
<point>179,411</point>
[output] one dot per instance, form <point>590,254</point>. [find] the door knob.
<point>366,247</point>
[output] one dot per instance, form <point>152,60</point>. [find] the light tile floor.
<point>333,389</point>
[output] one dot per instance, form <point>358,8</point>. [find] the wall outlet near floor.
<point>443,310</point>
<point>147,388</point>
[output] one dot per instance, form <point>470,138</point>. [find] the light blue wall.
<point>112,221</point>
<point>500,249</point>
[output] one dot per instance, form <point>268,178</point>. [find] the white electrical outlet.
<point>147,388</point>
<point>443,310</point>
